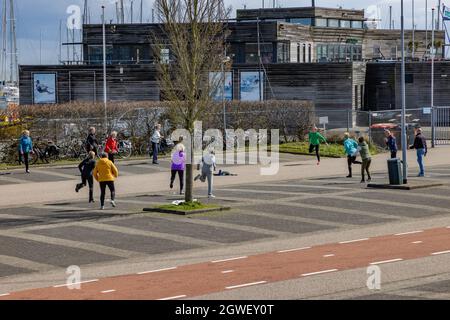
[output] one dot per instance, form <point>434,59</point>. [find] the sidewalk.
<point>31,193</point>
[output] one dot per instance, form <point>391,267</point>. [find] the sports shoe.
<point>77,188</point>
<point>349,176</point>
<point>318,163</point>
<point>171,186</point>
<point>102,208</point>
<point>27,171</point>
<point>211,196</point>
<point>197,177</point>
<point>113,203</point>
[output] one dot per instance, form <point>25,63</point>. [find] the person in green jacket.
<point>315,138</point>
<point>364,152</point>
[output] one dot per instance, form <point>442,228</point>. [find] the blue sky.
<point>36,18</point>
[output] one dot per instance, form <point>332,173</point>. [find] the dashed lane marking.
<point>74,284</point>
<point>296,249</point>
<point>352,241</point>
<point>442,252</point>
<point>108,291</point>
<point>173,298</point>
<point>406,233</point>
<point>417,242</point>
<point>158,270</point>
<point>245,285</point>
<point>230,259</point>
<point>227,271</point>
<point>4,294</point>
<point>386,261</point>
<point>318,272</point>
<point>328,255</point>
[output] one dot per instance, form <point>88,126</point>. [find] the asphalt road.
<point>38,242</point>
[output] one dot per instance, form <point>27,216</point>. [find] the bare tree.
<point>194,42</point>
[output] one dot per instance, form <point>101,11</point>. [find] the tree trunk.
<point>189,191</point>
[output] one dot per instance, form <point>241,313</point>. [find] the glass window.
<point>357,24</point>
<point>333,23</point>
<point>309,53</point>
<point>345,24</point>
<point>251,52</point>
<point>282,52</point>
<point>95,54</point>
<point>304,53</point>
<point>303,21</point>
<point>321,22</point>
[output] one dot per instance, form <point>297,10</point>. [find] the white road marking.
<point>108,291</point>
<point>351,241</point>
<point>442,252</point>
<point>245,285</point>
<point>4,294</point>
<point>158,270</point>
<point>74,284</point>
<point>386,261</point>
<point>297,249</point>
<point>417,242</point>
<point>230,259</point>
<point>405,233</point>
<point>227,271</point>
<point>172,298</point>
<point>318,272</point>
<point>328,255</point>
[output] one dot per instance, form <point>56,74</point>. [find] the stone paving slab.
<point>149,245</point>
<point>184,228</point>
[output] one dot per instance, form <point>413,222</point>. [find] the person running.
<point>111,146</point>
<point>315,138</point>
<point>208,167</point>
<point>351,150</point>
<point>156,140</point>
<point>178,165</point>
<point>420,144</point>
<point>25,148</point>
<point>86,168</point>
<point>366,158</point>
<point>105,172</point>
<point>91,141</point>
<point>391,143</point>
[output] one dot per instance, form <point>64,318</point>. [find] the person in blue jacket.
<point>351,150</point>
<point>391,143</point>
<point>25,148</point>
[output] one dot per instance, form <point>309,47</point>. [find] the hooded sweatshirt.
<point>25,144</point>
<point>105,170</point>
<point>351,147</point>
<point>364,151</point>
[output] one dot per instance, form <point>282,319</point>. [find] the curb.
<point>187,212</point>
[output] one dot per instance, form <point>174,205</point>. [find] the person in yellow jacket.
<point>105,173</point>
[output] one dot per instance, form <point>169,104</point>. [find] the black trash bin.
<point>395,171</point>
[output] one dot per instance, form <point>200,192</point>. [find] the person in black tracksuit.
<point>91,141</point>
<point>86,168</point>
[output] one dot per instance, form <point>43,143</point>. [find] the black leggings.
<point>180,175</point>
<point>317,148</point>
<point>351,160</point>
<point>25,157</point>
<point>111,187</point>
<point>88,181</point>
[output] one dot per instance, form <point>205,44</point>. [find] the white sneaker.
<point>102,208</point>
<point>113,203</point>
<point>211,196</point>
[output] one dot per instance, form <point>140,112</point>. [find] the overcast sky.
<point>38,19</point>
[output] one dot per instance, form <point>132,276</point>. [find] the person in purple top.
<point>178,165</point>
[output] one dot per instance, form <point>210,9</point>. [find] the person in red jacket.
<point>112,146</point>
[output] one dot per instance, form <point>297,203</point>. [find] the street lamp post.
<point>225,60</point>
<point>403,85</point>
<point>433,54</point>
<point>105,97</point>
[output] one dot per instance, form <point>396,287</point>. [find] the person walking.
<point>351,150</point>
<point>364,151</point>
<point>25,148</point>
<point>105,172</point>
<point>86,168</point>
<point>91,141</point>
<point>315,138</point>
<point>178,166</point>
<point>156,140</point>
<point>391,143</point>
<point>111,146</point>
<point>420,144</point>
<point>208,166</point>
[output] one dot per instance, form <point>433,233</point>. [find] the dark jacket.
<point>392,143</point>
<point>91,143</point>
<point>420,143</point>
<point>86,167</point>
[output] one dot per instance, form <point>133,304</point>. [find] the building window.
<point>95,54</point>
<point>304,53</point>
<point>345,24</point>
<point>251,53</point>
<point>376,51</point>
<point>298,53</point>
<point>302,21</point>
<point>357,24</point>
<point>394,53</point>
<point>282,52</point>
<point>309,53</point>
<point>320,22</point>
<point>333,23</point>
